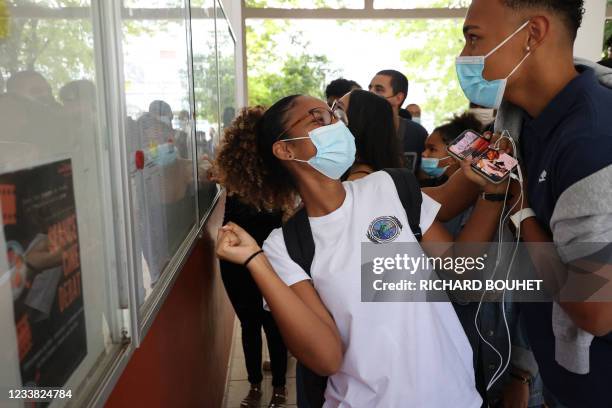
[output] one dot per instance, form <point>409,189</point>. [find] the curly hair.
<point>245,164</point>
<point>340,87</point>
<point>457,125</point>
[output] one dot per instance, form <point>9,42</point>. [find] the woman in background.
<point>369,117</point>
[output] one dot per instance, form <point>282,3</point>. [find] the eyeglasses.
<point>339,112</point>
<point>322,116</point>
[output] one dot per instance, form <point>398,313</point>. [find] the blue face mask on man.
<point>335,149</point>
<point>477,89</point>
<point>431,166</point>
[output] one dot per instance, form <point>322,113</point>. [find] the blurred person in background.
<point>437,165</point>
<point>393,85</point>
<point>32,85</point>
<point>607,60</point>
<point>486,116</point>
<point>79,98</point>
<point>161,111</point>
<point>369,117</point>
<point>338,88</point>
<point>415,112</point>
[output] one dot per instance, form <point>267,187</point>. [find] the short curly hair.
<point>245,164</point>
<point>340,87</point>
<point>571,11</point>
<point>457,125</point>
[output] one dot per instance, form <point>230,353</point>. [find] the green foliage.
<point>273,75</point>
<point>430,48</point>
<point>205,86</point>
<point>61,50</point>
<point>607,33</point>
<point>303,74</point>
<point>4,20</point>
<point>429,59</point>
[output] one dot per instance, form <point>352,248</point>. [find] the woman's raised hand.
<point>234,244</point>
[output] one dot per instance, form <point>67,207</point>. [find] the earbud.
<point>528,49</point>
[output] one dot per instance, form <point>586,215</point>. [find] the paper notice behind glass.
<point>155,235</point>
<point>44,258</point>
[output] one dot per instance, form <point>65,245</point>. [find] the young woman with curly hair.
<point>392,354</point>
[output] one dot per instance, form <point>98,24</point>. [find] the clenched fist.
<point>235,244</point>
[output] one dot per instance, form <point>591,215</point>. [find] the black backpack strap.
<point>410,195</point>
<point>301,248</point>
<point>298,240</point>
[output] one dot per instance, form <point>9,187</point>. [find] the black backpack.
<point>301,248</point>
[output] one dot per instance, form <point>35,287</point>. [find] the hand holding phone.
<point>491,163</point>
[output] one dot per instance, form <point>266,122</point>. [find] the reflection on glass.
<point>414,4</point>
<point>206,89</point>
<point>226,55</point>
<point>306,4</point>
<point>49,171</point>
<point>158,132</point>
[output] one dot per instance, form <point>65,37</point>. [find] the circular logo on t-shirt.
<point>384,229</point>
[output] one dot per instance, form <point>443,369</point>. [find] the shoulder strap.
<point>409,193</point>
<point>299,241</point>
<point>301,248</point>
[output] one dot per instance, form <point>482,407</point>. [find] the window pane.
<point>206,89</point>
<point>154,4</point>
<point>305,4</point>
<point>226,51</point>
<point>56,316</point>
<point>413,4</point>
<point>159,138</point>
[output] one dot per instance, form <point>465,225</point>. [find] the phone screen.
<point>493,164</point>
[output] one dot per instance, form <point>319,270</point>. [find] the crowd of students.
<point>316,175</point>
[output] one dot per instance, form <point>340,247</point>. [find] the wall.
<point>183,360</point>
<point>590,37</point>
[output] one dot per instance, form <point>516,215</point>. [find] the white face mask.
<point>484,115</point>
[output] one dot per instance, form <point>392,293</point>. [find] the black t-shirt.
<point>412,136</point>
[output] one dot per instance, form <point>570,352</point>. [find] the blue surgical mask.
<point>335,149</point>
<point>416,119</point>
<point>430,166</point>
<point>477,89</point>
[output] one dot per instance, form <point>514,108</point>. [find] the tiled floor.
<point>239,386</point>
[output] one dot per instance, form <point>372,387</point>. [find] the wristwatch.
<point>521,216</point>
<point>495,197</point>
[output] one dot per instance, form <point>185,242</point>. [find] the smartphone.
<point>410,159</point>
<point>492,164</point>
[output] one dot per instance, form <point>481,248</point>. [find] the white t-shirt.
<point>396,354</point>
